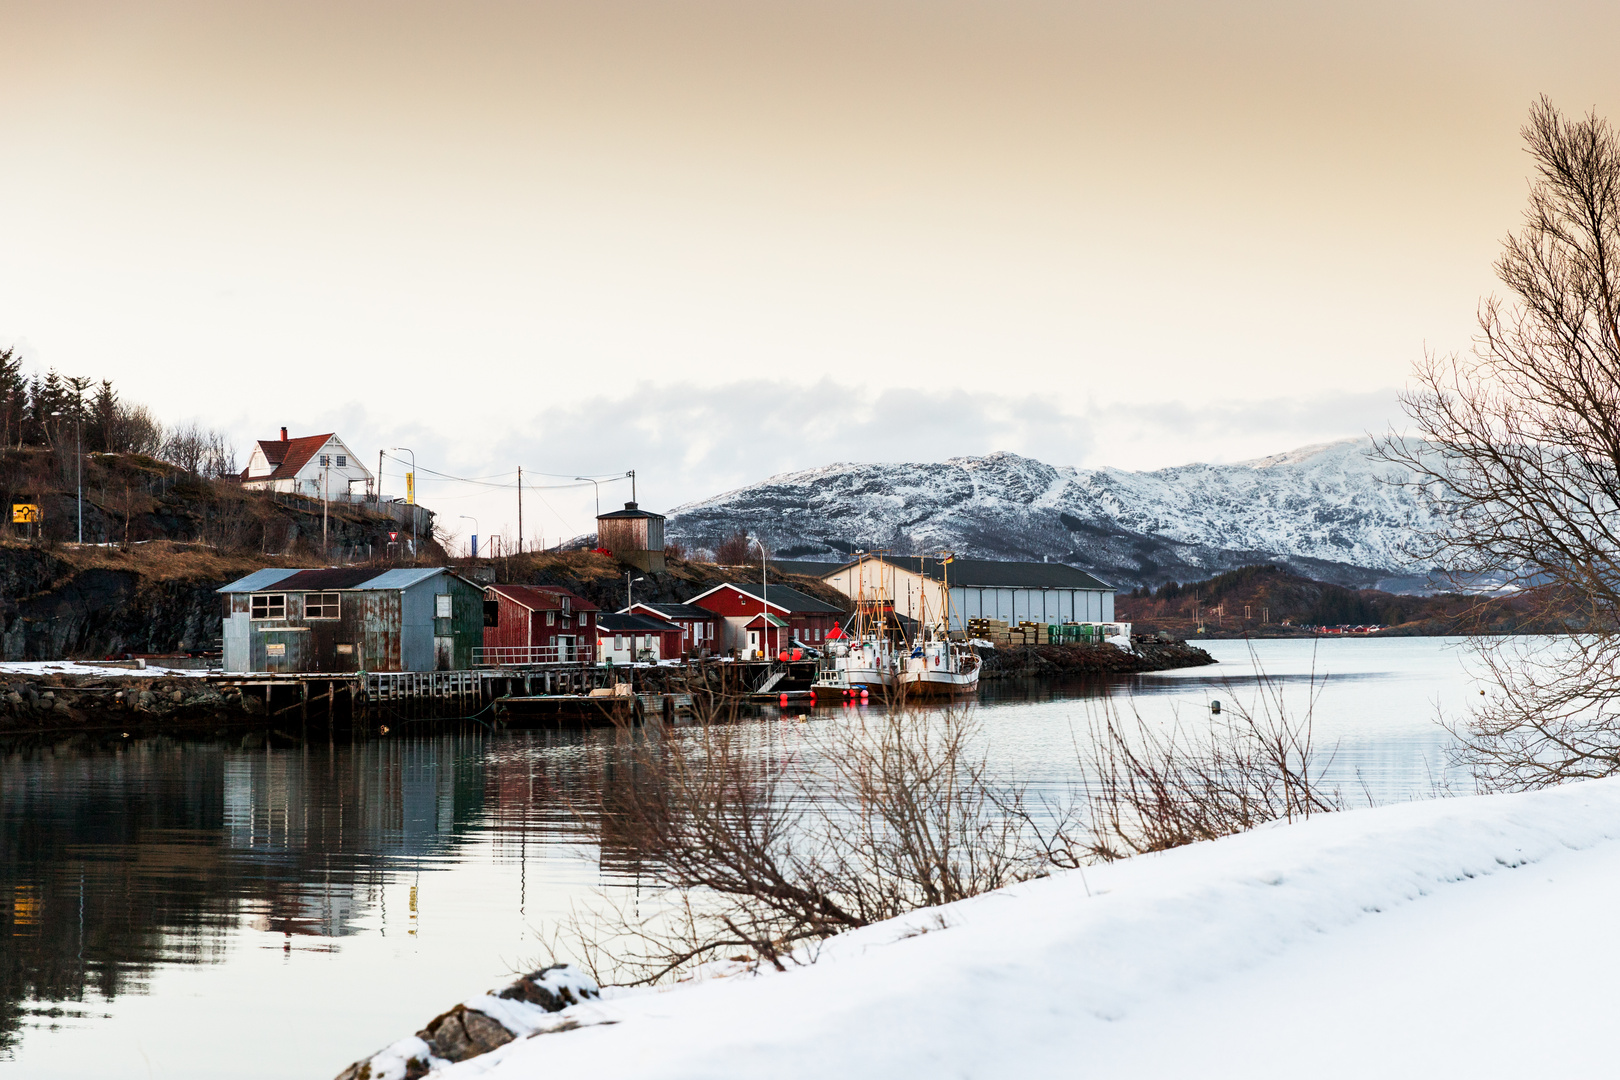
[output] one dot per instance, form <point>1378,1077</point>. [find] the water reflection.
<point>122,857</point>
<point>386,878</point>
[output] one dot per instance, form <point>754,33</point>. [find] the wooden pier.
<point>541,695</point>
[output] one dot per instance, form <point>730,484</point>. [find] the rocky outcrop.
<point>56,701</point>
<point>1057,661</point>
<point>524,1009</point>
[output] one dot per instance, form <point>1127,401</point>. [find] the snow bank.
<point>37,668</point>
<point>1460,936</point>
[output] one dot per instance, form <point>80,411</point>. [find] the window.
<point>321,605</point>
<point>441,606</point>
<point>326,459</point>
<point>343,461</point>
<point>618,642</point>
<point>551,618</point>
<point>585,618</point>
<point>269,606</point>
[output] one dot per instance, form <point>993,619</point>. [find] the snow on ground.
<point>37,668</point>
<point>1468,936</point>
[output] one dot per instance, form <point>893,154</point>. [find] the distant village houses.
<point>315,466</point>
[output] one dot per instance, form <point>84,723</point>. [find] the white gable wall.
<point>314,481</point>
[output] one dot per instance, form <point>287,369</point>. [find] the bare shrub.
<point>1150,789</point>
<point>895,813</point>
<point>761,856</point>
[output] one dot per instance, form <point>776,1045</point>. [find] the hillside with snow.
<point>1329,511</point>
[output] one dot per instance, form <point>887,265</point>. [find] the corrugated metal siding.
<point>380,631</point>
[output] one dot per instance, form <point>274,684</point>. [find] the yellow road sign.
<point>24,513</point>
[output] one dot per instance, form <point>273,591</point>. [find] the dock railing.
<point>487,656</point>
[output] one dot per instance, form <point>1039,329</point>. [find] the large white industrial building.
<point>979,588</point>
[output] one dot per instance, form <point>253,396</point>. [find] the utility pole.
<point>632,475</point>
<point>78,451</point>
<point>520,509</point>
<point>326,497</point>
<point>410,497</point>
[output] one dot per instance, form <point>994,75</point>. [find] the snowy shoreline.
<point>1423,938</point>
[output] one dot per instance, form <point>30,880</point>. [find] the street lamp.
<point>598,484</point>
<point>410,491</point>
<point>474,520</point>
<point>628,582</point>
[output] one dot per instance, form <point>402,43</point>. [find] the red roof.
<point>542,597</point>
<point>290,456</point>
<point>578,601</point>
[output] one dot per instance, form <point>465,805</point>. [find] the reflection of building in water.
<point>115,859</point>
<point>394,798</point>
<point>390,800</point>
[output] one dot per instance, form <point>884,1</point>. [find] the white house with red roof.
<point>316,466</point>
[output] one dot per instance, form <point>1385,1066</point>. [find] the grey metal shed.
<point>351,619</point>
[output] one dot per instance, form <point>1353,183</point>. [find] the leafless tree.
<point>135,430</point>
<point>733,550</point>
<point>1519,456</point>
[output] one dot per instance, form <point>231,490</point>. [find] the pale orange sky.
<point>506,233</point>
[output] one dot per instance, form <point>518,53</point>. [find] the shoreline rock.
<point>526,1008</point>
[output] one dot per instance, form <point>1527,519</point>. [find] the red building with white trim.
<point>745,609</point>
<point>537,624</point>
<point>699,626</point>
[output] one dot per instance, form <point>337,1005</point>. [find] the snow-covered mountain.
<point>1330,511</point>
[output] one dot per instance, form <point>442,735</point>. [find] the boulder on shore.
<point>482,1024</point>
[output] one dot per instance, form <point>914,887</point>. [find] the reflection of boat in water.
<point>938,666</point>
<point>868,652</point>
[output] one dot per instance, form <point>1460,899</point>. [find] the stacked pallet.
<point>1035,633</point>
<point>992,630</point>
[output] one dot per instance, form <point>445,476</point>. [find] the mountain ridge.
<point>1328,510</point>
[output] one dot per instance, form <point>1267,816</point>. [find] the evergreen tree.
<point>13,399</point>
<point>101,426</point>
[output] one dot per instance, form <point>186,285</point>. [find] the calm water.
<point>196,909</point>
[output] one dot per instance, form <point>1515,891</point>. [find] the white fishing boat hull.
<point>938,684</point>
<point>938,669</point>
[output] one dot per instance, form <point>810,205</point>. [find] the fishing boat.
<point>937,666</point>
<point>868,653</point>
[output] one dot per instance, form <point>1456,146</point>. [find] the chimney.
<point>283,434</point>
